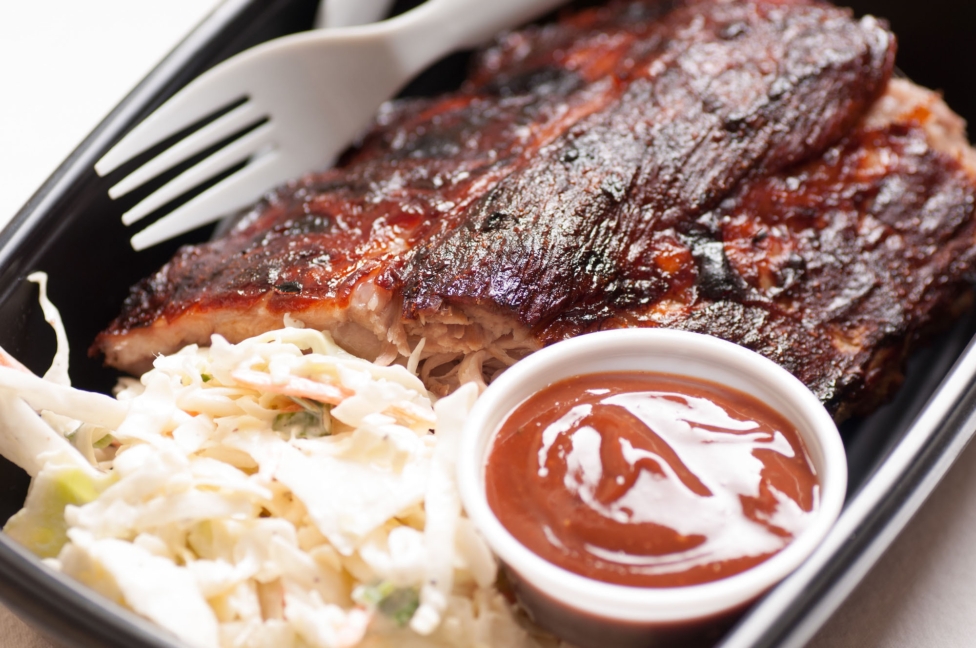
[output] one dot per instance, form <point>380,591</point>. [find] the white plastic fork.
<point>347,13</point>
<point>309,94</point>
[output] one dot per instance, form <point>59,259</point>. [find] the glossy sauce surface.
<point>650,479</point>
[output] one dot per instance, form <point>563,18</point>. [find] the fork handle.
<point>438,27</point>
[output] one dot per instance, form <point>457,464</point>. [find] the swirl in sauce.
<point>650,480</point>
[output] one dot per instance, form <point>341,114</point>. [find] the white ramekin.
<point>590,612</point>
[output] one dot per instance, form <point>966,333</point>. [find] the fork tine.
<point>234,121</point>
<point>201,98</point>
<point>234,153</point>
<point>229,195</point>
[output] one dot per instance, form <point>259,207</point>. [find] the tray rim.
<point>871,520</point>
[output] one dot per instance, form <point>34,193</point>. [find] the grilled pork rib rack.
<point>744,169</point>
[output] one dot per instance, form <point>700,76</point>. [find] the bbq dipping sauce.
<point>650,479</point>
<point>593,613</point>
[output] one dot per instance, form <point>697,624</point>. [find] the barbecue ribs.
<point>744,169</point>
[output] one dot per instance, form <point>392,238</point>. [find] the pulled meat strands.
<point>603,171</point>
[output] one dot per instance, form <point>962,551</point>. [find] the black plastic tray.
<point>71,230</point>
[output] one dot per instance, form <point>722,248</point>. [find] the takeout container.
<point>594,614</point>
<point>73,231</point>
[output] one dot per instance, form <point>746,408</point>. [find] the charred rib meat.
<point>739,168</point>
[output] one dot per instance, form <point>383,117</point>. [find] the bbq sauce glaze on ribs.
<point>744,169</point>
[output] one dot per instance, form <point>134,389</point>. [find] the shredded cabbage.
<point>276,492</point>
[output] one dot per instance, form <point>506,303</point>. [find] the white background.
<point>65,63</point>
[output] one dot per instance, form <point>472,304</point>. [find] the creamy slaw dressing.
<point>275,492</point>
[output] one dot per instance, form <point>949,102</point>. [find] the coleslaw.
<point>275,492</point>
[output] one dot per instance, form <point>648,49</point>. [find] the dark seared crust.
<point>836,267</point>
<point>703,165</point>
<point>746,90</point>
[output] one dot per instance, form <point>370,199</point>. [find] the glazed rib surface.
<point>725,167</point>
